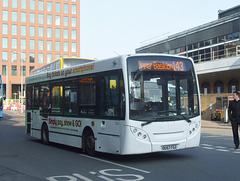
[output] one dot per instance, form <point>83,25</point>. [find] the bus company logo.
<point>66,123</point>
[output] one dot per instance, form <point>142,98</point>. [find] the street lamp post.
<point>7,85</point>
<point>21,74</point>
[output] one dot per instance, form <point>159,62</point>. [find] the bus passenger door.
<point>35,104</point>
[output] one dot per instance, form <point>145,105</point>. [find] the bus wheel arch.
<point>88,141</point>
<point>45,134</point>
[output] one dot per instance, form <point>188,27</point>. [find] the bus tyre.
<point>45,135</point>
<point>89,143</point>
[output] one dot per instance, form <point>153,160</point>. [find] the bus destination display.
<point>161,65</point>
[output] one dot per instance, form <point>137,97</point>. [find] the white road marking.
<point>117,164</point>
<point>218,148</point>
<point>222,150</point>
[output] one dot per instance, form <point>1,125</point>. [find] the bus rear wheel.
<point>45,134</point>
<point>89,143</point>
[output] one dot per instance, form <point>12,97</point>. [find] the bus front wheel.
<point>45,134</point>
<point>89,143</point>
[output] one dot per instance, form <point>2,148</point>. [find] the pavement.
<point>216,124</point>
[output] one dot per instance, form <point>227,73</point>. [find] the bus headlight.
<point>193,128</point>
<point>140,134</point>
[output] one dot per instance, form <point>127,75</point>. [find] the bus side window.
<point>70,98</point>
<point>87,96</point>
<point>44,99</point>
<point>56,99</point>
<point>108,99</point>
<point>35,102</point>
<point>29,97</point>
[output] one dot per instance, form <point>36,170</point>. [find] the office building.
<point>215,49</point>
<point>34,33</point>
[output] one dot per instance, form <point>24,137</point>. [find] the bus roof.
<point>60,63</point>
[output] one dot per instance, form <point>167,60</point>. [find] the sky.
<point>114,27</point>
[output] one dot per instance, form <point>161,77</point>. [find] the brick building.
<point>34,33</point>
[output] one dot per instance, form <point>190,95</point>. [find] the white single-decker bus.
<point>130,104</point>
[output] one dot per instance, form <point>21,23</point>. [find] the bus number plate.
<point>169,147</point>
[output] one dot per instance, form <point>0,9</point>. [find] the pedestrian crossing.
<point>219,148</point>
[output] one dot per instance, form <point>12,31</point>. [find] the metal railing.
<point>213,53</point>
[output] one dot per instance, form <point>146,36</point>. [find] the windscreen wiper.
<point>177,112</point>
<point>157,119</point>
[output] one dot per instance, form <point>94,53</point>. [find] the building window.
<point>4,70</point>
<point>5,15</point>
<point>14,3</point>
<point>205,88</point>
<point>74,9</point>
<point>65,34</point>
<point>14,43</point>
<point>74,34</point>
<point>5,56</point>
<point>40,5</point>
<point>23,30</point>
<point>40,44</point>
<point>233,85</point>
<point>49,32</point>
<point>57,56</point>
<point>14,57</point>
<point>40,19</point>
<point>14,29</point>
<point>23,44</point>
<point>23,17</point>
<point>57,46</point>
<point>5,3</point>
<point>218,87</point>
<point>57,7</point>
<point>32,31</point>
<point>23,70</point>
<point>32,44</point>
<point>49,45</point>
<point>233,36</point>
<point>14,16</point>
<point>32,4</point>
<point>57,33</point>
<point>74,47</point>
<point>32,17</point>
<point>32,57</point>
<point>65,46</point>
<point>57,20</point>
<point>4,42</point>
<point>65,22</point>
<point>74,22</point>
<point>40,31</point>
<point>4,29</point>
<point>172,52</point>
<point>40,58</point>
<point>49,58</point>
<point>49,19</point>
<point>49,6</point>
<point>23,57</point>
<point>23,4</point>
<point>31,68</point>
<point>14,70</point>
<point>65,8</point>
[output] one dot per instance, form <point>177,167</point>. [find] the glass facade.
<point>206,45</point>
